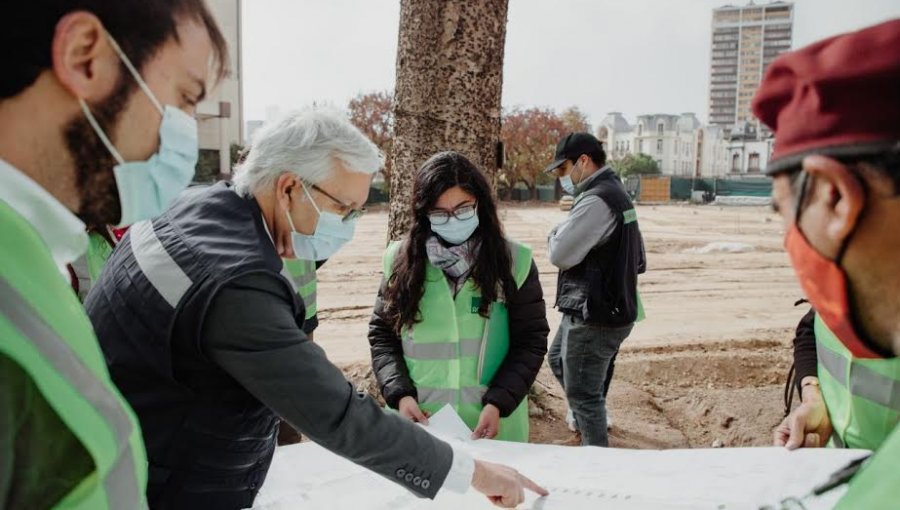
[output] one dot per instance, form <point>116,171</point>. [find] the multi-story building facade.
<point>745,40</point>
<point>219,116</point>
<point>679,144</point>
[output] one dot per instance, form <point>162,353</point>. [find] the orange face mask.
<point>825,285</point>
<point>824,282</point>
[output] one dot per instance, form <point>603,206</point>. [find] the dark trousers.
<point>581,357</point>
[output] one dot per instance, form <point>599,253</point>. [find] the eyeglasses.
<point>441,217</point>
<point>353,214</point>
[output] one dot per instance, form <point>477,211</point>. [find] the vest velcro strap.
<point>161,270</point>
<point>121,480</point>
<point>440,350</point>
<point>864,382</point>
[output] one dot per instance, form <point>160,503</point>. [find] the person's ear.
<point>83,60</point>
<point>285,186</point>
<point>836,199</point>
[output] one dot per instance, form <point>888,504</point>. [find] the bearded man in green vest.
<point>460,318</point>
<point>834,107</point>
<point>96,107</point>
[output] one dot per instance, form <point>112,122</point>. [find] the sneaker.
<point>570,421</point>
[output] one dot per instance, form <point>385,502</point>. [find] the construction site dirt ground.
<point>706,367</point>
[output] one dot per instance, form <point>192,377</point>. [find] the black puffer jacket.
<point>528,330</point>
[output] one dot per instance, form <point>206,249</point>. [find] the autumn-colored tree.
<point>372,114</point>
<point>530,137</point>
<point>575,120</point>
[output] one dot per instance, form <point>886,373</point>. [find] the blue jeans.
<point>580,357</point>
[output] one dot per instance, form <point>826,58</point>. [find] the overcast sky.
<point>632,56</point>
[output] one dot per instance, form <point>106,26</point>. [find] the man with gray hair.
<point>203,334</point>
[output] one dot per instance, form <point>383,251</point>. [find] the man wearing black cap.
<point>599,252</point>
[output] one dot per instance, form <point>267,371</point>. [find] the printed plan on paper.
<point>306,476</point>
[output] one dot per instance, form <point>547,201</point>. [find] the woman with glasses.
<point>460,318</point>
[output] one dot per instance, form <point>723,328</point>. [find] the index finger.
<point>533,487</point>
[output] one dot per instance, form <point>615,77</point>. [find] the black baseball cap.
<point>572,146</point>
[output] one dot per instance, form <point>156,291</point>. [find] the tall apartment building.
<point>745,40</point>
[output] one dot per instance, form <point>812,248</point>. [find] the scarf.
<point>455,260</point>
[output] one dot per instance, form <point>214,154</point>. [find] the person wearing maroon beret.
<point>834,108</point>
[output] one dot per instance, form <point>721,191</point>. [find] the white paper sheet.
<point>307,476</point>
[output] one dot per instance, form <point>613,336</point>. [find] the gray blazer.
<point>251,333</point>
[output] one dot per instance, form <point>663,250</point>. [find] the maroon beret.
<point>838,97</point>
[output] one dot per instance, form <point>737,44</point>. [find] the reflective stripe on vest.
<point>446,352</point>
<point>161,270</point>
<point>302,274</point>
<point>862,395</point>
<point>44,330</point>
<point>441,350</point>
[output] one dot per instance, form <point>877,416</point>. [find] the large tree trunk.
<point>447,95</point>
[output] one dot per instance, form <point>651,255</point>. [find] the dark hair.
<point>491,271</point>
<point>597,156</point>
<point>139,26</point>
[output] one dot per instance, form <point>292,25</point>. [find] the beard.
<point>94,178</point>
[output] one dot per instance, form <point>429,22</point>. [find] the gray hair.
<point>306,143</point>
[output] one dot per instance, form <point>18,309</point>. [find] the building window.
<point>660,128</point>
<point>640,129</point>
<point>753,162</point>
<point>659,145</point>
<point>735,163</point>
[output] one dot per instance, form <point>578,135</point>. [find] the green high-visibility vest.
<point>303,274</point>
<point>454,353</point>
<point>875,487</point>
<point>97,254</point>
<point>862,395</point>
<point>45,330</point>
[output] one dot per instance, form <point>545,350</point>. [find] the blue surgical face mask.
<point>331,233</point>
<point>456,231</point>
<point>566,183</point>
<point>146,188</point>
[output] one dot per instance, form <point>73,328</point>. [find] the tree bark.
<point>448,89</point>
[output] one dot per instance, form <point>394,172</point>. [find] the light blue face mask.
<point>331,234</point>
<point>146,188</point>
<point>566,183</point>
<point>456,231</point>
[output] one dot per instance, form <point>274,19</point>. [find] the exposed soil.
<point>705,369</point>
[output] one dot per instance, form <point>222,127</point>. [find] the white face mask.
<point>331,234</point>
<point>566,182</point>
<point>146,188</point>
